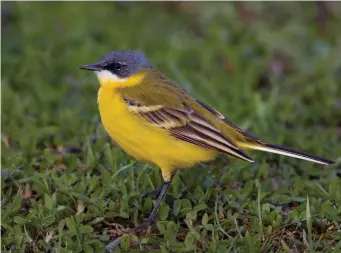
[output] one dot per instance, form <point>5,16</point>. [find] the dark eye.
<point>116,66</point>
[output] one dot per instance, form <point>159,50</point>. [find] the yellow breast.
<point>144,141</point>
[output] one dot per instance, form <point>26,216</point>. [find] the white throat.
<point>107,75</point>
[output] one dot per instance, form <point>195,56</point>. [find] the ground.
<point>272,68</point>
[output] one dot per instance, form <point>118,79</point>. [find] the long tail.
<point>282,150</point>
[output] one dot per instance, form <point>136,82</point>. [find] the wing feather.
<point>242,134</point>
<point>184,124</point>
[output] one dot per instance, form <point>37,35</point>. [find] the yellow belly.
<point>144,141</point>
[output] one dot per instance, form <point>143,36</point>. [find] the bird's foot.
<point>113,244</point>
<point>139,230</point>
<point>143,227</point>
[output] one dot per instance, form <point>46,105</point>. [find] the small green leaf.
<point>200,207</point>
<point>48,220</point>
<point>171,231</point>
<point>60,208</point>
<point>204,219</point>
<point>87,249</point>
<point>45,245</point>
<point>177,247</point>
<point>335,189</point>
<point>96,221</point>
<point>163,249</point>
<point>285,246</point>
<point>191,215</point>
<point>124,215</point>
<point>54,200</point>
<point>163,212</point>
<point>106,177</point>
<point>213,246</point>
<point>186,205</point>
<point>112,206</point>
<point>19,220</point>
<point>48,201</point>
<point>266,208</point>
<point>209,227</point>
<point>189,241</point>
<point>125,242</point>
<point>199,193</point>
<point>248,188</point>
<point>293,214</point>
<point>85,229</point>
<point>61,225</point>
<point>90,157</point>
<point>176,207</point>
<point>70,223</point>
<point>148,205</point>
<point>16,204</point>
<point>108,155</point>
<point>331,211</point>
<point>161,227</point>
<point>104,238</point>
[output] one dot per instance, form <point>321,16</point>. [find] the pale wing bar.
<point>186,125</point>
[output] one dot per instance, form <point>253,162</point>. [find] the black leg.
<point>156,193</point>
<point>162,192</point>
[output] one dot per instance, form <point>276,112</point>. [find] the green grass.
<point>270,68</point>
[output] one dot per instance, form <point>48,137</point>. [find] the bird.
<point>157,121</point>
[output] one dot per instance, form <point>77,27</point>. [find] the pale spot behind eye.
<point>107,75</point>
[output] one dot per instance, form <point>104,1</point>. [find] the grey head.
<point>121,63</point>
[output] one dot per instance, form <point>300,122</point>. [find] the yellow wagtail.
<point>155,120</point>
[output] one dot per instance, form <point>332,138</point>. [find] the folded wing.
<point>183,123</point>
